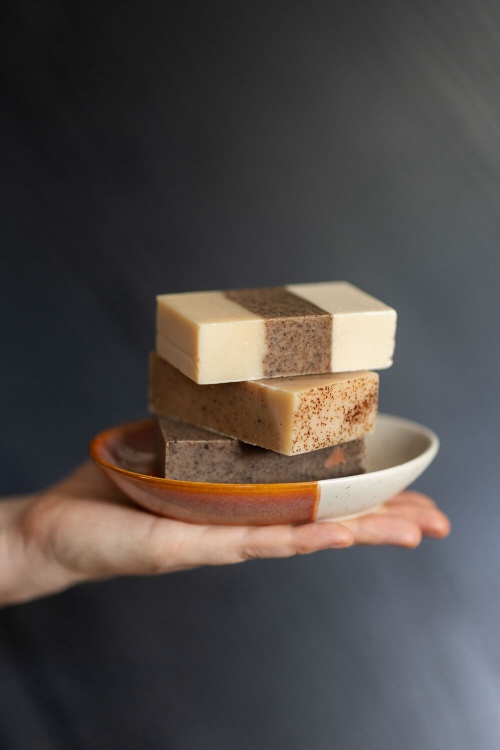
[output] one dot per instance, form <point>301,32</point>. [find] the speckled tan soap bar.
<point>288,415</point>
<point>249,334</point>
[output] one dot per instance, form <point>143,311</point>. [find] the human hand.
<point>84,528</point>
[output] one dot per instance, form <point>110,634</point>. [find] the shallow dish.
<point>397,453</point>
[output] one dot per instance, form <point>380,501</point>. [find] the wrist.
<point>13,555</point>
<point>27,570</point>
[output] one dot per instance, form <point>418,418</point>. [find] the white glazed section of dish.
<point>398,452</point>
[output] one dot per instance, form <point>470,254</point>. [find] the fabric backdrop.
<point>160,147</point>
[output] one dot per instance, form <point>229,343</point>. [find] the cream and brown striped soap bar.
<point>250,334</point>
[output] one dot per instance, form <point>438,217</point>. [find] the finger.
<point>382,528</point>
<point>410,497</point>
<point>90,481</point>
<point>285,541</point>
<point>430,520</point>
<point>176,545</point>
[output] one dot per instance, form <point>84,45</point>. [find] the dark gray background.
<point>157,147</point>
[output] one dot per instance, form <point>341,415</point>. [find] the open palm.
<point>84,528</point>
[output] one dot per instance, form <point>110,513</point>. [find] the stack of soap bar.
<point>250,334</point>
<point>289,415</point>
<point>191,453</point>
<point>268,385</point>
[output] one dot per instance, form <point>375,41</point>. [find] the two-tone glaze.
<point>398,452</point>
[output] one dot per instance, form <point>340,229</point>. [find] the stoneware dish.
<point>397,453</point>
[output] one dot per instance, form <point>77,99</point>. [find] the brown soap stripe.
<point>298,333</point>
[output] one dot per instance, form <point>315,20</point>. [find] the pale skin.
<point>83,528</point>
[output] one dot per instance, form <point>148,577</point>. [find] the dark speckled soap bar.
<point>197,455</point>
